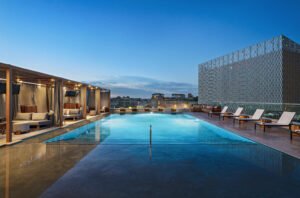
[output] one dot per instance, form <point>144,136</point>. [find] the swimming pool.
<point>135,129</point>
<point>188,158</point>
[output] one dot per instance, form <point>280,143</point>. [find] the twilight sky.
<point>161,40</point>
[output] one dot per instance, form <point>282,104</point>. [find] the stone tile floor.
<point>276,137</point>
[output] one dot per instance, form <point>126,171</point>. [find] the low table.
<point>2,127</point>
<point>92,112</point>
<point>294,129</point>
<point>243,117</point>
<point>20,128</point>
<point>265,120</point>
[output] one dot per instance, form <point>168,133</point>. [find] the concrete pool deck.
<point>276,138</point>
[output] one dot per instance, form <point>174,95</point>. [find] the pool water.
<point>165,129</point>
<point>188,158</point>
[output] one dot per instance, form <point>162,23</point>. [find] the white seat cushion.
<point>23,116</point>
<point>66,111</point>
<point>73,111</point>
<point>39,116</point>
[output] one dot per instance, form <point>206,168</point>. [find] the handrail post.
<point>150,134</point>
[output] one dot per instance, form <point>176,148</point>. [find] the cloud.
<point>135,86</point>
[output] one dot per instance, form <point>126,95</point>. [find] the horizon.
<point>160,42</point>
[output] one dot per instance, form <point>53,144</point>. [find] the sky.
<point>136,41</point>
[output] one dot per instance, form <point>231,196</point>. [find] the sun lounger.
<point>284,120</point>
<point>237,113</point>
<point>211,113</point>
<point>255,117</point>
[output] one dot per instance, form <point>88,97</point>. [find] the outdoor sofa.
<point>32,119</point>
<point>72,114</point>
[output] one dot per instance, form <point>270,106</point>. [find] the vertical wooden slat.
<point>83,101</point>
<point>61,106</point>
<point>8,105</point>
<point>108,98</point>
<point>97,101</point>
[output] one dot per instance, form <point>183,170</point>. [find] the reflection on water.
<point>247,170</point>
<point>93,133</point>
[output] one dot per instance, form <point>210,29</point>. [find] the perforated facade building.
<point>265,75</point>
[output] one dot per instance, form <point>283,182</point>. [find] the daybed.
<point>32,119</point>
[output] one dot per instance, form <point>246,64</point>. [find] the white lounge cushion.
<point>286,118</point>
<point>23,116</point>
<point>224,109</point>
<point>238,111</point>
<point>22,121</point>
<point>39,116</point>
<point>72,116</point>
<point>92,112</point>
<point>73,111</point>
<point>66,111</point>
<point>257,114</point>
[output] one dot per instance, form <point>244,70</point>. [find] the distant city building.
<point>179,96</point>
<point>190,95</point>
<point>126,102</point>
<point>265,75</point>
<point>175,101</point>
<point>158,96</point>
<point>157,100</point>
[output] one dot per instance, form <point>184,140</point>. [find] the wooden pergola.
<point>13,74</point>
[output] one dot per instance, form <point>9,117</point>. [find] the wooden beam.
<point>97,101</point>
<point>83,100</point>
<point>8,109</point>
<point>61,101</point>
<point>108,98</point>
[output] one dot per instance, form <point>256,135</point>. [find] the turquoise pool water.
<point>135,129</point>
<point>189,158</point>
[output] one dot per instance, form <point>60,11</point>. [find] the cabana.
<point>30,99</point>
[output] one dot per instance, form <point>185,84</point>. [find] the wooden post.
<point>61,104</point>
<point>9,105</point>
<point>97,101</point>
<point>108,98</point>
<point>83,101</point>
